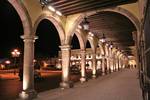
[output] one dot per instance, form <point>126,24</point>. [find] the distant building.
<point>75,58</point>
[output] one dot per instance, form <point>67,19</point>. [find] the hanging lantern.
<point>111,45</point>
<point>103,39</point>
<point>85,24</point>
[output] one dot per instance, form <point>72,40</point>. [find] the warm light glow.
<point>45,64</point>
<point>91,34</point>
<point>15,53</point>
<point>15,50</point>
<point>103,40</point>
<point>25,82</point>
<point>111,68</point>
<point>34,60</point>
<point>111,46</point>
<point>51,8</point>
<point>59,13</point>
<point>7,62</point>
<point>132,62</point>
<point>79,26</point>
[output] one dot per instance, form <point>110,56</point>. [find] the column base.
<point>27,95</point>
<point>108,71</point>
<point>112,71</point>
<point>83,79</point>
<point>68,84</point>
<point>94,76</point>
<point>103,73</point>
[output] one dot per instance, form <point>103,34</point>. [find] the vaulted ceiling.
<point>116,27</point>
<point>68,7</point>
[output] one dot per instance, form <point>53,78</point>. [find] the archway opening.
<point>11,29</point>
<point>75,42</point>
<point>75,59</point>
<point>88,55</point>
<point>46,55</point>
<point>117,28</point>
<point>88,45</point>
<point>48,42</point>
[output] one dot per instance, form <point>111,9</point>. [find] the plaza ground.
<point>122,85</point>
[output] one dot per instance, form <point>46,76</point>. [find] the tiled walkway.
<point>122,85</point>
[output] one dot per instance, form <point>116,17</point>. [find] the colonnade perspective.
<point>111,61</point>
<point>101,56</point>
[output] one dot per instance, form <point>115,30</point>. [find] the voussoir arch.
<point>57,25</point>
<point>126,13</point>
<point>24,16</point>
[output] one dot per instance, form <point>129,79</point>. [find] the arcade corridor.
<point>122,85</point>
<point>110,37</point>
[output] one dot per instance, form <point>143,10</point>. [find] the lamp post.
<point>15,53</point>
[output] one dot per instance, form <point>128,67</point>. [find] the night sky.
<point>11,29</point>
<point>48,43</point>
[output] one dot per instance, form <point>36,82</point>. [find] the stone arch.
<point>92,44</point>
<point>101,48</point>
<point>126,13</point>
<point>72,30</point>
<point>81,40</point>
<point>57,25</point>
<point>119,10</point>
<point>24,16</point>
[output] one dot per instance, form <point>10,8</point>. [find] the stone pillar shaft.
<point>65,49</point>
<point>28,68</point>
<point>116,61</point>
<point>83,70</point>
<point>94,65</point>
<point>103,65</point>
<point>108,64</point>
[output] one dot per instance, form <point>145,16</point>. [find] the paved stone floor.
<point>122,85</point>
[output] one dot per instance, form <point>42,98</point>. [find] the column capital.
<point>65,47</point>
<point>30,38</point>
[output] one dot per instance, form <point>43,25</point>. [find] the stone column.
<point>108,64</point>
<point>94,65</point>
<point>120,63</point>
<point>65,50</point>
<point>111,65</point>
<point>116,61</point>
<point>28,69</point>
<point>83,70</point>
<point>111,60</point>
<point>114,65</point>
<point>103,65</point>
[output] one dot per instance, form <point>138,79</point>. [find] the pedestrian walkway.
<point>122,85</point>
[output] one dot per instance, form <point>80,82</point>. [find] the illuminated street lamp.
<point>15,53</point>
<point>7,62</point>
